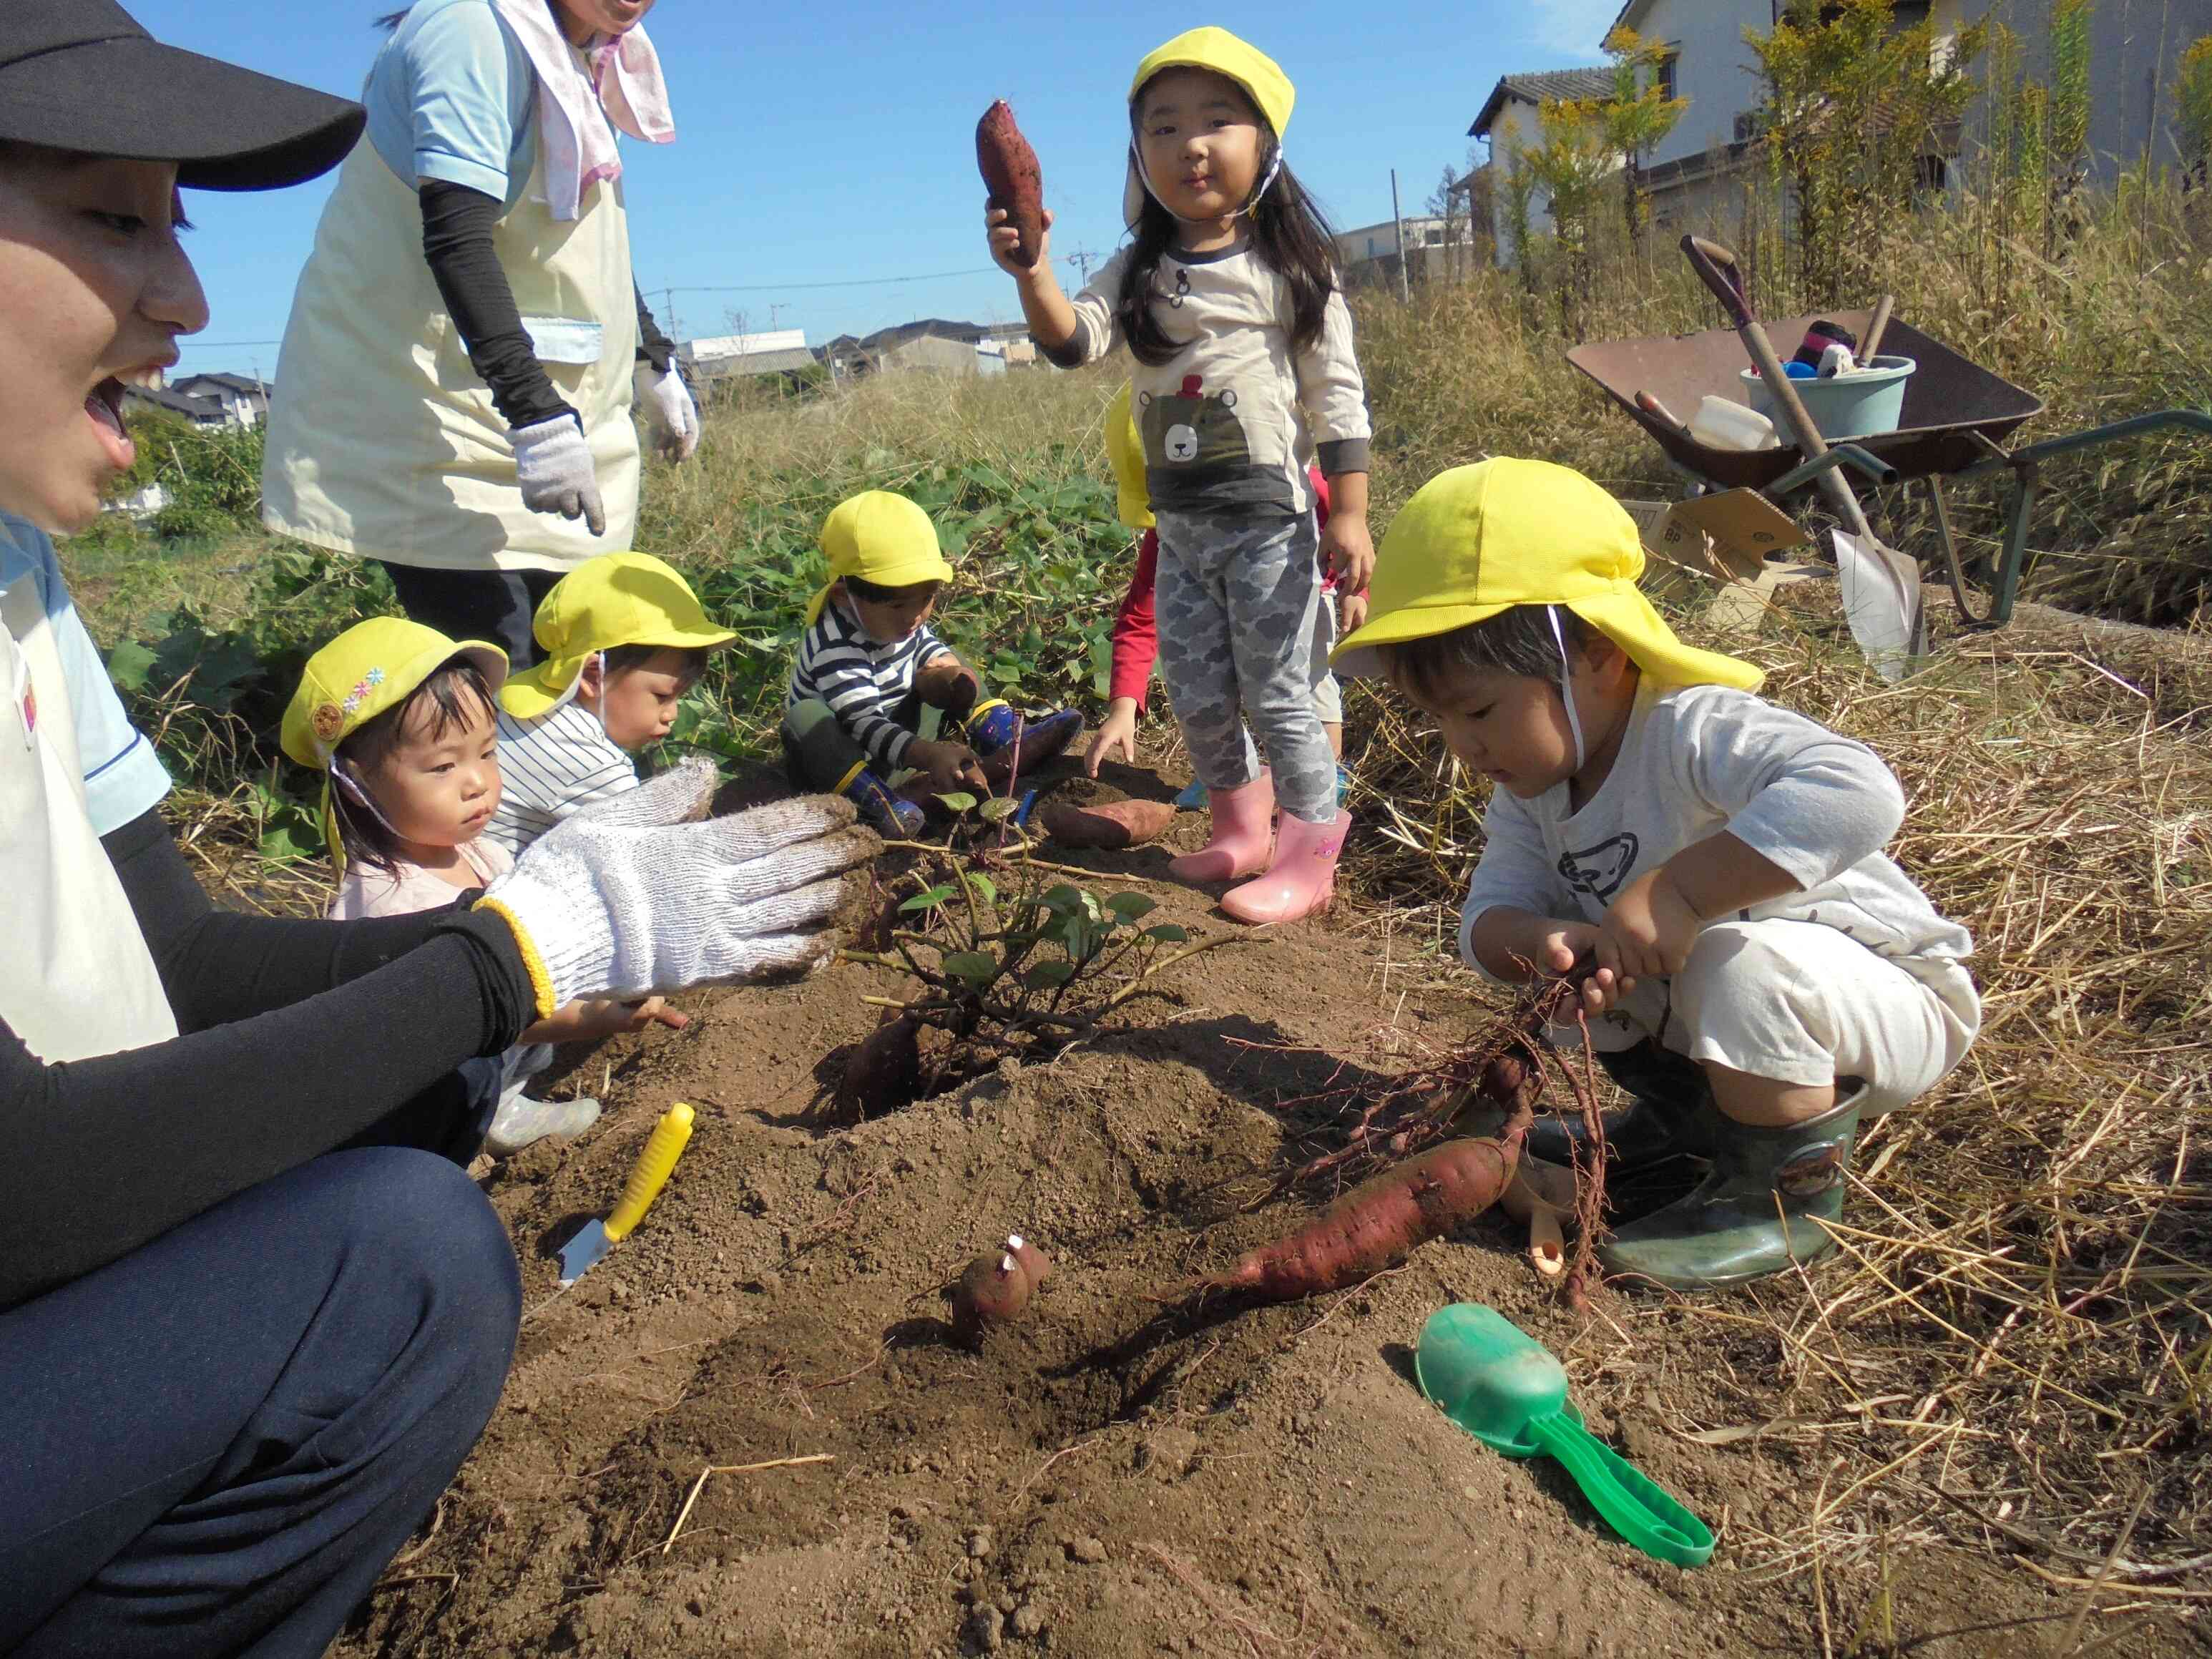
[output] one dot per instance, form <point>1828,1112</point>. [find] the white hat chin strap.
<point>1567,685</point>
<point>1251,202</point>
<point>352,789</point>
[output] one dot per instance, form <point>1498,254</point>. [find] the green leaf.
<point>998,809</point>
<point>985,885</point>
<point>928,901</point>
<point>1062,898</point>
<point>129,664</point>
<point>959,801</point>
<point>1130,906</point>
<point>972,967</point>
<point>1167,933</point>
<point>1048,975</point>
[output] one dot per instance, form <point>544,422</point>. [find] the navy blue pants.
<point>214,1445</point>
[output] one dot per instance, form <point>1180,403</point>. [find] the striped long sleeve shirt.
<point>550,766</point>
<point>863,683</point>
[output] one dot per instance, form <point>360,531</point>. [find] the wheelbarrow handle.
<point>1717,269</point>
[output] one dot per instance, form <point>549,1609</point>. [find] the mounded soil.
<point>1106,1476</point>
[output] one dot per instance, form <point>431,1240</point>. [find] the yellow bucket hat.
<point>1478,540</point>
<point>616,598</point>
<point>882,539</point>
<point>370,669</point>
<point>1125,451</point>
<point>1217,49</point>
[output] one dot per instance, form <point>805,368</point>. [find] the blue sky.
<point>833,143</point>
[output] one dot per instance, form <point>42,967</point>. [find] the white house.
<point>1511,122</point>
<point>244,399</point>
<point>727,355</point>
<point>1370,253</point>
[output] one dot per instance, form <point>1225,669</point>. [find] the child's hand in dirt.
<point>1648,930</point>
<point>1351,612</point>
<point>654,1011</point>
<point>950,765</point>
<point>1118,729</point>
<point>1348,552</point>
<point>1006,241</point>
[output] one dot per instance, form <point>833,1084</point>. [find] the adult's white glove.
<point>554,464</point>
<point>669,414</point>
<point>632,899</point>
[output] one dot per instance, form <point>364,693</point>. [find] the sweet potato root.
<point>1379,1223</point>
<point>996,1286</point>
<point>1112,824</point>
<point>1012,175</point>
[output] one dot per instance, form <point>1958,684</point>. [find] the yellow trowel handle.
<point>650,1172</point>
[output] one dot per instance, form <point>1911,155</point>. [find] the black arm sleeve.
<point>219,967</point>
<point>456,240</point>
<point>652,346</point>
<point>104,1154</point>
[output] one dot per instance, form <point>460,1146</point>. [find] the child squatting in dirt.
<point>1758,976</point>
<point>625,639</point>
<point>399,720</point>
<point>870,663</point>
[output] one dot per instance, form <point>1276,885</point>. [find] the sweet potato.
<point>996,1286</point>
<point>1112,824</point>
<point>1012,175</point>
<point>1379,1223</point>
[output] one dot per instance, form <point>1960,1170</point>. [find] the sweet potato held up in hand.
<point>1012,175</point>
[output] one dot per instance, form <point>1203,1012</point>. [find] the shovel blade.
<point>580,1254</point>
<point>1882,604</point>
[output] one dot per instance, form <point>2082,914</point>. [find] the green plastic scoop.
<point>1503,1386</point>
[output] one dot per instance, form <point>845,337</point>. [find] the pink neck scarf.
<point>577,117</point>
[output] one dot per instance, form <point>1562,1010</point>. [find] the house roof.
<point>1541,87</point>
<point>244,383</point>
<point>199,410</point>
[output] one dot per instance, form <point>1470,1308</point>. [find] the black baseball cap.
<point>80,74</point>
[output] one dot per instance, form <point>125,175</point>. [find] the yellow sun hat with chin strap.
<point>369,669</point>
<point>1125,451</point>
<point>882,539</point>
<point>1223,53</point>
<point>1478,540</point>
<point>615,599</point>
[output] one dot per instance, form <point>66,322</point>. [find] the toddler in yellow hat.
<point>399,719</point>
<point>1227,298</point>
<point>625,640</point>
<point>869,664</point>
<point>1758,974</point>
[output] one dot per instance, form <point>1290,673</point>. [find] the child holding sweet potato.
<point>1227,298</point>
<point>1761,976</point>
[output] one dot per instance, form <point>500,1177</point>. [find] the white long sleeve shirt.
<point>1233,418</point>
<point>1698,760</point>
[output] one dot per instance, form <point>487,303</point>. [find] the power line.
<point>858,281</point>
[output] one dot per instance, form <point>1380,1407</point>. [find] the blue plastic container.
<point>1861,405</point>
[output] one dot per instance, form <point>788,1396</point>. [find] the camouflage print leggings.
<point>1235,602</point>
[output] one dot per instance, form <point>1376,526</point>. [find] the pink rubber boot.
<point>1302,878</point>
<point>1242,820</point>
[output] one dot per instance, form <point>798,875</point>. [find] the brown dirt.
<point>1105,1478</point>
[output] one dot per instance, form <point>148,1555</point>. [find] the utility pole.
<point>775,306</point>
<point>1405,265</point>
<point>1081,259</point>
<point>668,310</point>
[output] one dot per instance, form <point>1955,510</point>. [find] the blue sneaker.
<point>882,810</point>
<point>1193,798</point>
<point>991,731</point>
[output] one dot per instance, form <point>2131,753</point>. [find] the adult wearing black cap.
<point>467,342</point>
<point>248,1327</point>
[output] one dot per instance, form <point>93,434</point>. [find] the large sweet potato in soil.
<point>1111,824</point>
<point>1012,175</point>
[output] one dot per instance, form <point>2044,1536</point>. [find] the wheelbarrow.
<point>1956,419</point>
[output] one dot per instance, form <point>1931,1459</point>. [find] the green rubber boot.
<point>1670,1114</point>
<point>1756,1214</point>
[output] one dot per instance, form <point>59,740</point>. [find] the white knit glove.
<point>630,898</point>
<point>554,464</point>
<point>669,414</point>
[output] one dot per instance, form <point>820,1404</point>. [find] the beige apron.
<point>382,440</point>
<point>76,979</point>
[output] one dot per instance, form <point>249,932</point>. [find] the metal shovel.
<point>647,1178</point>
<point>1881,586</point>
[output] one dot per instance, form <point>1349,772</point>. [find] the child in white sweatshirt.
<point>1758,973</point>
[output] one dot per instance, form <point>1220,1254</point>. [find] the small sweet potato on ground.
<point>996,1286</point>
<point>1011,173</point>
<point>1110,824</point>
